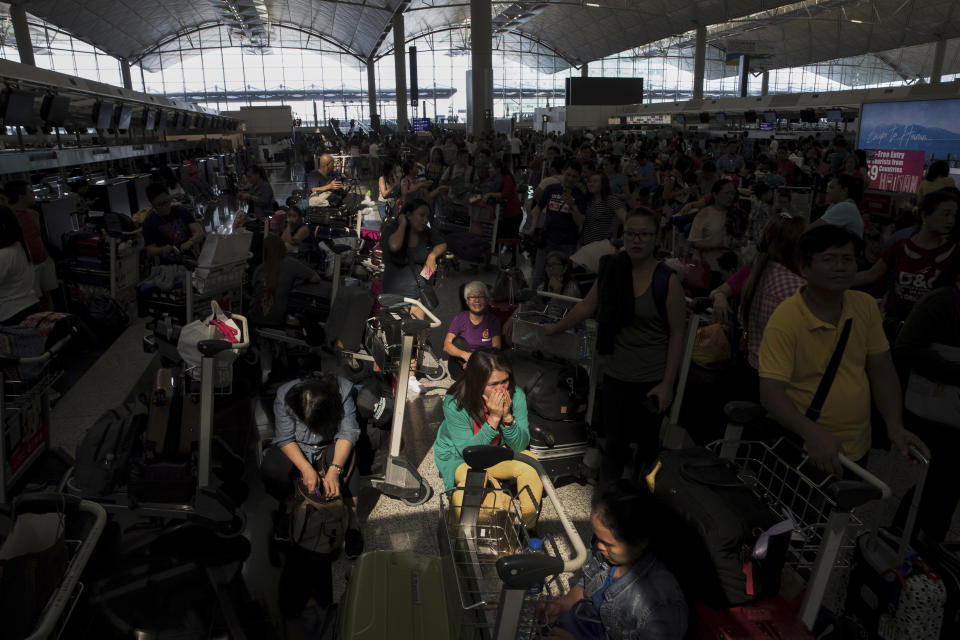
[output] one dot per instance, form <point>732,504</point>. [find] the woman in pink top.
<point>769,280</point>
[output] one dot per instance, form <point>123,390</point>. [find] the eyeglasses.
<point>638,235</point>
<point>476,298</point>
<point>555,264</point>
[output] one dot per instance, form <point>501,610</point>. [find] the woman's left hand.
<point>664,395</point>
<point>331,484</point>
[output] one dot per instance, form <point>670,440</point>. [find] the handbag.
<point>935,401</point>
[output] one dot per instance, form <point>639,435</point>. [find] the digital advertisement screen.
<point>720,117</point>
<point>834,115</point>
<point>931,126</point>
<point>421,124</point>
<point>770,117</point>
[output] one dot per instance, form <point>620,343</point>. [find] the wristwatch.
<point>504,423</point>
<point>338,467</point>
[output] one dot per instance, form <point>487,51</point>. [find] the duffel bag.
<point>724,541</point>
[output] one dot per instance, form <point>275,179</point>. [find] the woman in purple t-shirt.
<point>471,329</point>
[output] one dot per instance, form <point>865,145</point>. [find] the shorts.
<point>45,277</point>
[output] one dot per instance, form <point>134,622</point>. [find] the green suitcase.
<point>397,595</point>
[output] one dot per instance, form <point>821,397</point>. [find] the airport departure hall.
<point>468,320</point>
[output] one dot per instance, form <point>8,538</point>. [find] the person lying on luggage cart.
<point>829,407</point>
<point>625,590</point>
<point>486,407</point>
<point>169,229</point>
<point>314,438</point>
<point>471,329</point>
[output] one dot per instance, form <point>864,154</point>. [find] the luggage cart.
<point>825,526</point>
<point>801,200</point>
<point>25,412</point>
<point>488,553</point>
<point>85,521</point>
<point>476,222</point>
<point>483,586</point>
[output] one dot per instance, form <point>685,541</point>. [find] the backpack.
<point>318,525</point>
<point>103,455</point>
<point>554,390</point>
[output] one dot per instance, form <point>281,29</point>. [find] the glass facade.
<point>212,67</point>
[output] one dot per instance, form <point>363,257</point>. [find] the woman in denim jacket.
<point>315,433</point>
<point>625,591</point>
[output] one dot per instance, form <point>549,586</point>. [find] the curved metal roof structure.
<point>900,33</point>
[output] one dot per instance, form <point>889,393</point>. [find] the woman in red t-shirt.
<point>914,263</point>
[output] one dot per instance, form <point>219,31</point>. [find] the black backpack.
<point>554,390</point>
<point>103,456</point>
<point>318,525</point>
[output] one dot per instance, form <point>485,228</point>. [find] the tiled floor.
<point>388,524</point>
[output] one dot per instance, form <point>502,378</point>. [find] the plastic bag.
<point>216,326</point>
<point>711,347</point>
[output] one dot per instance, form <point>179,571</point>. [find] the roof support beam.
<point>18,15</point>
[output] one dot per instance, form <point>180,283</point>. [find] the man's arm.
<point>885,388</point>
<point>822,447</point>
<point>580,312</point>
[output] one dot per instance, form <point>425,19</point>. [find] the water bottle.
<point>583,349</point>
<point>536,546</point>
<point>591,330</point>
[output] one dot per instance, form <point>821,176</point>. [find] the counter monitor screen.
<point>149,119</point>
<point>770,117</point>
<point>834,115</point>
<point>720,117</point>
<point>17,108</point>
<point>54,110</point>
<point>124,118</point>
<point>103,115</point>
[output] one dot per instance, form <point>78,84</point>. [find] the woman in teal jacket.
<point>485,407</point>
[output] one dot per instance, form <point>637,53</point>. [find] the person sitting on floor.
<point>315,435</point>
<point>471,329</point>
<point>486,407</point>
<point>625,590</point>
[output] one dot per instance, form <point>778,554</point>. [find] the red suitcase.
<point>770,619</point>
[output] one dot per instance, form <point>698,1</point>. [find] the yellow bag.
<point>711,347</point>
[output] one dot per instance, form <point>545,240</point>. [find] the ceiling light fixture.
<point>591,4</point>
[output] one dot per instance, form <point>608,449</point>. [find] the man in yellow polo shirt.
<point>800,339</point>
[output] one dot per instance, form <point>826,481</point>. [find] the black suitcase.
<point>559,445</point>
<point>554,390</point>
<point>714,522</point>
<point>348,317</point>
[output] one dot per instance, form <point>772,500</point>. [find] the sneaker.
<point>413,387</point>
<point>353,543</point>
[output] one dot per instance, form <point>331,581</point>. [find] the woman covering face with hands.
<point>485,407</point>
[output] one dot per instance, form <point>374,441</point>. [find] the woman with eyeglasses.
<point>486,407</point>
<point>471,329</point>
<point>640,318</point>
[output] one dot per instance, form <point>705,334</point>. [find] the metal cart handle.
<point>866,476</point>
<point>483,456</point>
<point>390,300</point>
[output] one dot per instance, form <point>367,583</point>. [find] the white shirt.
<point>16,281</point>
<point>515,145</point>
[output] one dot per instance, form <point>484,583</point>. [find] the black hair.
<point>573,164</point>
<point>10,231</point>
<point>628,510</point>
<point>934,199</point>
<point>853,186</point>
<point>316,402</point>
<point>937,169</point>
<point>14,190</point>
<point>643,212</point>
<point>822,238</point>
<point>760,189</point>
<point>469,389</point>
<point>258,171</point>
<point>155,189</point>
<point>720,184</point>
<point>728,260</point>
